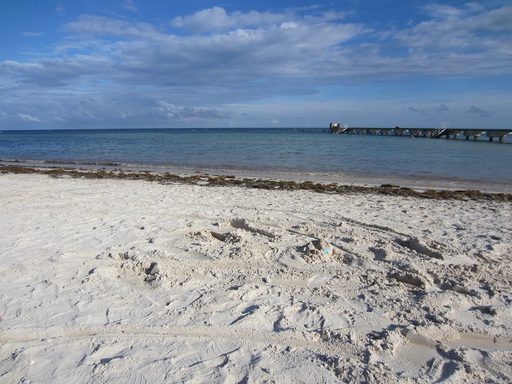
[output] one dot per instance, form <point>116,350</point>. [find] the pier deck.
<point>435,133</point>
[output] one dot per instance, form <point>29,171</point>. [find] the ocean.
<point>269,151</point>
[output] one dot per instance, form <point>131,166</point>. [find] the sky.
<point>281,63</point>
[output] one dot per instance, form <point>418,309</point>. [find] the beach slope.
<point>106,280</point>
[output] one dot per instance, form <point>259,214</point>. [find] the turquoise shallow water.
<point>270,151</point>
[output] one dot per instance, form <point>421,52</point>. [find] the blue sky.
<point>135,63</point>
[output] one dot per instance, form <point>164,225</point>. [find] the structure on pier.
<point>475,133</point>
<point>435,133</point>
<point>335,127</point>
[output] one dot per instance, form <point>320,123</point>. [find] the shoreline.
<point>278,181</point>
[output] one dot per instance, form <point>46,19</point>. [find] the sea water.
<point>269,151</point>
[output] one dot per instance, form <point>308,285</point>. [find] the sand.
<point>125,281</point>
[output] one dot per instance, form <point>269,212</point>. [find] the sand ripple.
<point>130,281</point>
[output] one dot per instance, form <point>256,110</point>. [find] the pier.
<point>434,133</point>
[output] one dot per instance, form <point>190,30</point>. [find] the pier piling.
<point>426,132</point>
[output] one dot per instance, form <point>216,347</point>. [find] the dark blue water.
<point>270,151</point>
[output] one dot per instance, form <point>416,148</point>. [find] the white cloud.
<point>216,19</point>
<point>130,5</point>
<point>33,34</point>
<point>28,118</point>
<point>444,12</point>
<point>186,113</point>
<point>260,47</point>
<point>55,72</point>
<point>60,11</point>
<point>470,38</point>
<point>242,57</point>
<point>105,27</point>
<point>496,20</point>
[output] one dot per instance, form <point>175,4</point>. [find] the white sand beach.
<point>123,281</point>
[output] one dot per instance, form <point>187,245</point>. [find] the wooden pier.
<point>434,133</point>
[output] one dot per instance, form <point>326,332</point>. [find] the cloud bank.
<point>213,66</point>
